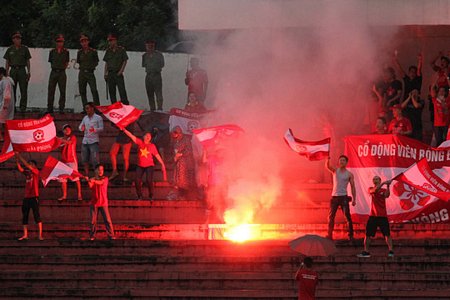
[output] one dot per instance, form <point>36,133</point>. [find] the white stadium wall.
<point>231,14</point>
<point>174,89</point>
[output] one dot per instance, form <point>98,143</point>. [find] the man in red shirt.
<point>99,202</point>
<point>440,65</point>
<point>69,157</point>
<point>146,151</point>
<point>378,216</point>
<point>31,200</point>
<point>307,280</point>
<point>441,106</point>
<point>399,125</point>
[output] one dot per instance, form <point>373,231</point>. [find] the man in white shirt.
<point>91,125</point>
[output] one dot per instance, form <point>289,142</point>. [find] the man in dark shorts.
<point>378,216</point>
<point>31,200</point>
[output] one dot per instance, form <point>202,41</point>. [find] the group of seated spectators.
<point>400,103</point>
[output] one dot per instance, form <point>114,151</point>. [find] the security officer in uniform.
<point>17,59</point>
<point>59,59</point>
<point>153,62</point>
<point>115,61</point>
<point>87,59</point>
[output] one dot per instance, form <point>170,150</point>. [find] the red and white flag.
<point>7,149</point>
<point>421,177</point>
<point>31,135</point>
<point>187,121</point>
<point>208,136</point>
<point>312,150</point>
<point>54,169</point>
<point>120,114</point>
<point>389,156</point>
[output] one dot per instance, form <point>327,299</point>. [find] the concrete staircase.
<point>165,250</point>
<point>143,269</point>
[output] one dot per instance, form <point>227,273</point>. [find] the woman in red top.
<point>31,200</point>
<point>69,157</point>
<point>146,151</point>
<point>441,104</point>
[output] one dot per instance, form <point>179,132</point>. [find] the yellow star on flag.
<point>144,152</point>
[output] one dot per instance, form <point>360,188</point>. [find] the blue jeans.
<point>106,219</point>
<point>90,153</point>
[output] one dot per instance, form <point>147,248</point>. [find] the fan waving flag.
<point>7,149</point>
<point>120,114</point>
<point>208,136</point>
<point>421,177</point>
<point>312,150</point>
<point>30,135</point>
<point>54,169</point>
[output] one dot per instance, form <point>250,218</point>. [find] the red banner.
<point>120,114</point>
<point>30,135</point>
<point>388,156</point>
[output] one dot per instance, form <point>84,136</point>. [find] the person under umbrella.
<point>307,280</point>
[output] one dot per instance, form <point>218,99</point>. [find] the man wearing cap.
<point>153,62</point>
<point>87,59</point>
<point>197,80</point>
<point>58,59</point>
<point>399,125</point>
<point>115,61</point>
<point>17,59</point>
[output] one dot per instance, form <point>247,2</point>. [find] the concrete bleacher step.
<point>116,191</point>
<point>215,270</point>
<point>122,211</point>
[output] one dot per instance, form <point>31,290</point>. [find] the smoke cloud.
<point>315,80</point>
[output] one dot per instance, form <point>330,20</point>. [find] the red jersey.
<point>31,183</point>
<point>69,151</point>
<point>146,153</point>
<point>378,207</point>
<point>100,193</point>
<point>307,282</point>
<point>441,112</point>
<point>397,126</point>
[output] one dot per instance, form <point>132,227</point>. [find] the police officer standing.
<point>153,62</point>
<point>17,59</point>
<point>59,59</point>
<point>87,59</point>
<point>115,61</point>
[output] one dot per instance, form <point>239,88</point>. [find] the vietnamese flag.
<point>120,114</point>
<point>33,135</point>
<point>312,150</point>
<point>54,169</point>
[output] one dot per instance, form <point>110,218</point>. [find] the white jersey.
<point>6,99</point>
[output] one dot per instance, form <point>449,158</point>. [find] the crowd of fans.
<point>15,76</point>
<point>400,102</point>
